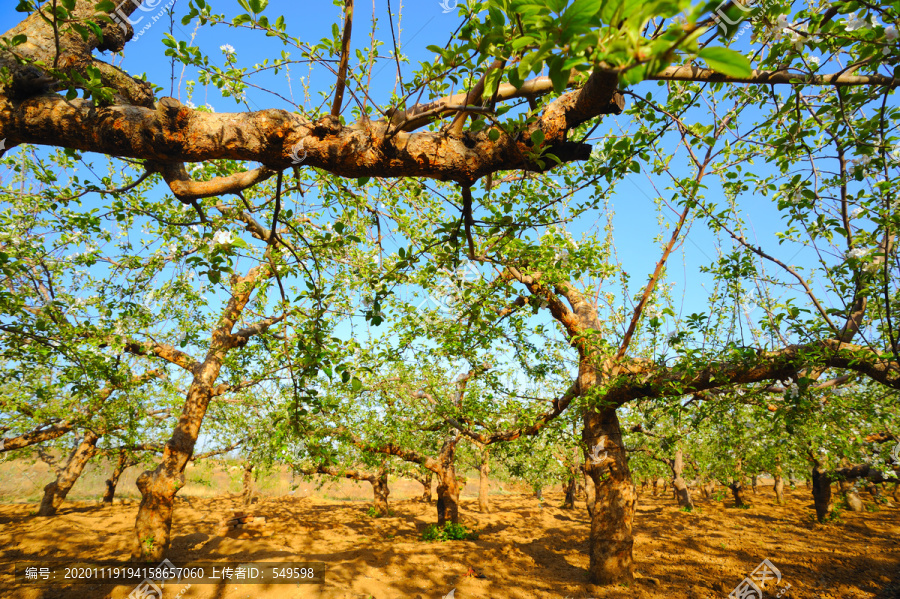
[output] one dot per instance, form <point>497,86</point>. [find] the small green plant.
<point>373,512</point>
<point>687,508</point>
<point>745,506</point>
<point>450,532</point>
<point>719,495</point>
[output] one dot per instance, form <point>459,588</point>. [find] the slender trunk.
<point>874,490</point>
<point>661,484</point>
<point>896,492</point>
<point>426,484</point>
<point>590,493</point>
<point>122,464</point>
<point>539,493</point>
<point>381,490</point>
<point>158,487</point>
<point>851,495</point>
<point>247,492</point>
<point>55,492</point>
<point>569,488</point>
<point>754,482</point>
<point>611,539</point>
<point>448,497</point>
<point>484,469</point>
<point>737,491</point>
<point>779,482</point>
<point>682,494</point>
<point>821,489</point>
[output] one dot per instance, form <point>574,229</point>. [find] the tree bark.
<point>590,493</point>
<point>821,489</point>
<point>122,464</point>
<point>754,483</point>
<point>569,501</point>
<point>484,469</point>
<point>381,491</point>
<point>737,491</point>
<point>682,493</point>
<point>851,495</point>
<point>247,490</point>
<point>158,487</point>
<point>611,538</point>
<point>426,479</point>
<point>779,482</point>
<point>448,496</point>
<point>55,492</point>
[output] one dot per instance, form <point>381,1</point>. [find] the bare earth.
<point>524,551</point>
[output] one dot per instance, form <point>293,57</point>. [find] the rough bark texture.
<point>682,493</point>
<point>247,484</point>
<point>448,497</point>
<point>821,489</point>
<point>611,538</point>
<point>779,489</point>
<point>122,463</point>
<point>851,495</point>
<point>484,469</point>
<point>426,480</point>
<point>55,492</point>
<point>158,487</point>
<point>569,488</point>
<point>381,491</point>
<point>737,491</point>
<point>590,493</point>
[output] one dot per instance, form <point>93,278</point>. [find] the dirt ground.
<point>524,550</point>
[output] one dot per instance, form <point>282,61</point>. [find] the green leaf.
<point>580,13</point>
<point>725,61</point>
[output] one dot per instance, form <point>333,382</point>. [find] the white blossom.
<point>857,253</point>
<point>227,49</point>
<point>814,60</point>
<point>857,212</point>
<point>223,238</point>
<point>890,32</point>
<point>852,23</point>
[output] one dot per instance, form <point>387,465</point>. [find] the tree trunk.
<point>539,493</point>
<point>247,492</point>
<point>611,540</point>
<point>854,502</point>
<point>896,492</point>
<point>821,489</point>
<point>484,469</point>
<point>569,501</point>
<point>737,491</point>
<point>381,490</point>
<point>779,482</point>
<point>158,487</point>
<point>426,484</point>
<point>55,492</point>
<point>682,493</point>
<point>754,482</point>
<point>448,497</point>
<point>122,464</point>
<point>590,493</point>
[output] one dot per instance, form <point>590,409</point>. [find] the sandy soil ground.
<point>524,550</point>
